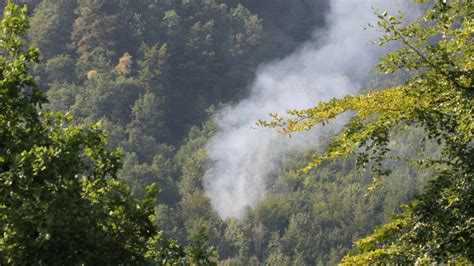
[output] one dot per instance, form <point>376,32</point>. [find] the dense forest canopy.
<point>105,124</point>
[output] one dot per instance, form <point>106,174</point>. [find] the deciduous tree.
<point>61,202</point>
<point>437,55</point>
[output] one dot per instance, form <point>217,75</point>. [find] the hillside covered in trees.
<point>105,130</point>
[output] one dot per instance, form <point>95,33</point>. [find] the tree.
<point>60,199</point>
<point>60,68</point>
<point>51,26</point>
<point>273,213</point>
<point>148,116</point>
<point>286,24</point>
<point>437,55</point>
<point>94,27</point>
<point>159,172</point>
<point>105,97</point>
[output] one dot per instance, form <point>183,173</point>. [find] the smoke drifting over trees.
<point>335,63</point>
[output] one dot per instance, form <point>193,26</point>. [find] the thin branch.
<point>423,57</point>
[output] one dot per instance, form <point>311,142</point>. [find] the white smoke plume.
<point>335,63</point>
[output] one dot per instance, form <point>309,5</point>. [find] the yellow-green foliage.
<point>437,54</point>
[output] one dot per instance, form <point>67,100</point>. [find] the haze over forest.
<point>236,132</point>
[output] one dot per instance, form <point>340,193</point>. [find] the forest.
<point>236,132</point>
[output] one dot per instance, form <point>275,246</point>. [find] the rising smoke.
<point>335,63</point>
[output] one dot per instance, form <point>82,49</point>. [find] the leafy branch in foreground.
<point>437,53</point>
<point>61,202</point>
